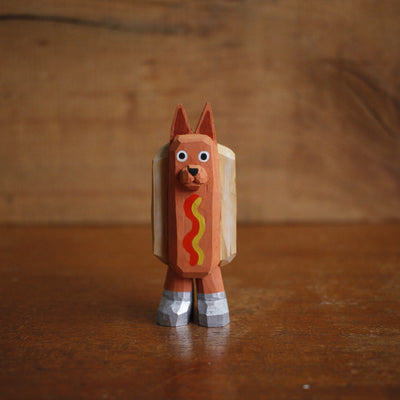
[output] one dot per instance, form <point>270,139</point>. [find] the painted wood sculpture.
<point>194,220</point>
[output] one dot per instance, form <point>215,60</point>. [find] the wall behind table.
<point>305,92</point>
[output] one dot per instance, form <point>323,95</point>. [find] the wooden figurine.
<point>194,221</point>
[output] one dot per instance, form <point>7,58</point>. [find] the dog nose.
<point>193,171</point>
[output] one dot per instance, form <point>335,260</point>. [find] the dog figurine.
<point>194,221</point>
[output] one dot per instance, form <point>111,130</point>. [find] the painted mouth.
<point>192,176</point>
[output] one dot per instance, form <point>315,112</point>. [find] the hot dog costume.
<point>194,220</point>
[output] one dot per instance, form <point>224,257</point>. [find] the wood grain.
<point>304,92</point>
<point>314,314</point>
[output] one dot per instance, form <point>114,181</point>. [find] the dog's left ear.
<point>206,123</point>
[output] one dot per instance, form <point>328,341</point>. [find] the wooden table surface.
<point>315,313</point>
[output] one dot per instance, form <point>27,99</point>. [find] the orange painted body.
<point>183,226</point>
<point>194,209</point>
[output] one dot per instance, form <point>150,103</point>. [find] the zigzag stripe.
<point>192,238</point>
<point>202,227</point>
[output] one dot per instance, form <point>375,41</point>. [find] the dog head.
<point>193,156</point>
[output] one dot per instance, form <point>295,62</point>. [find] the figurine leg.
<point>176,304</point>
<point>211,300</point>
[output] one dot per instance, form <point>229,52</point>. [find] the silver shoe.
<point>213,309</point>
<point>175,308</point>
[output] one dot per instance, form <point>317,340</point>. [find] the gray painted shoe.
<point>175,308</point>
<point>213,309</point>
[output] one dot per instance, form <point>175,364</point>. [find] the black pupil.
<point>181,156</point>
<point>203,156</point>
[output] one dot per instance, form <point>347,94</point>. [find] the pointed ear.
<point>206,123</point>
<point>180,124</point>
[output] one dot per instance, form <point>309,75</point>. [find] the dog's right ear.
<point>180,124</point>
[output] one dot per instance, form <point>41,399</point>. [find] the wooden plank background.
<point>305,92</point>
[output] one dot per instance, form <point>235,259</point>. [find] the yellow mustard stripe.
<point>202,227</point>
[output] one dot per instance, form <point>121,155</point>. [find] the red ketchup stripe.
<point>188,239</point>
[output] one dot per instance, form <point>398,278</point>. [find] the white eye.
<point>181,156</point>
<point>204,156</point>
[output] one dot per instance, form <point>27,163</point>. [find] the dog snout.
<point>192,176</point>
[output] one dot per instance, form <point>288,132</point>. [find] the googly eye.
<point>204,156</point>
<point>181,156</point>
